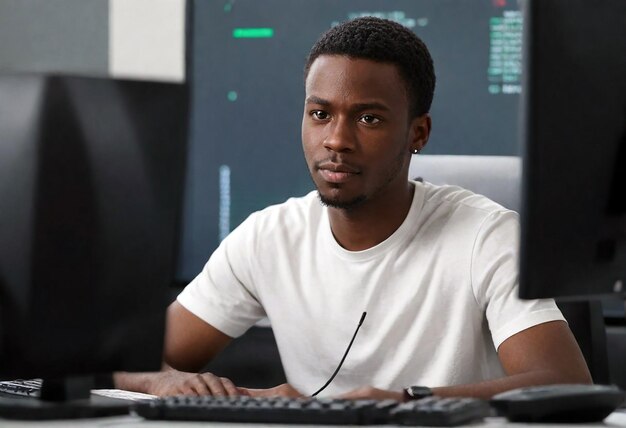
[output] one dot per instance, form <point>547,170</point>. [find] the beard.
<point>342,205</point>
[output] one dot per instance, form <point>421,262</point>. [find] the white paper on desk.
<point>122,394</point>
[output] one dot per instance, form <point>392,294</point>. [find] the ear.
<point>419,132</point>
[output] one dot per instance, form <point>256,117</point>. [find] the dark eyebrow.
<point>356,107</point>
<point>317,100</point>
<point>370,106</point>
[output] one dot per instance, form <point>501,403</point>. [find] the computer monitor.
<point>247,60</point>
<point>574,162</point>
<point>91,188</point>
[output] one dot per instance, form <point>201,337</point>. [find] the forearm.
<point>489,388</point>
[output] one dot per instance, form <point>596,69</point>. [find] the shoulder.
<point>277,229</point>
<point>455,197</point>
<point>454,202</point>
<point>459,217</point>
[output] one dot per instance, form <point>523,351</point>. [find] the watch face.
<point>417,392</point>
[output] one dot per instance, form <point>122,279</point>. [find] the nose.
<point>341,136</point>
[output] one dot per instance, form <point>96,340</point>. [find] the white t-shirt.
<point>440,292</point>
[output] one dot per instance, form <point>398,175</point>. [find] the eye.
<point>369,119</point>
<point>319,115</point>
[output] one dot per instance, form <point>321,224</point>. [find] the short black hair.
<point>386,41</point>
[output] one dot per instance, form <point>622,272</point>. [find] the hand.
<point>369,392</point>
<point>174,382</point>
<point>283,390</point>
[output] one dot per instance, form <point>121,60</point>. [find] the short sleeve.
<point>223,293</point>
<point>494,273</point>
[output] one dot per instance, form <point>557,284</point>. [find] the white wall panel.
<point>147,39</point>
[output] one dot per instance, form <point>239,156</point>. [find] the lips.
<point>337,172</point>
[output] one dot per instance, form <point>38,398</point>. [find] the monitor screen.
<point>247,60</point>
<point>91,183</point>
<point>574,134</point>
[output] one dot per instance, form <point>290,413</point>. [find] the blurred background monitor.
<point>247,60</point>
<point>91,185</point>
<point>574,134</point>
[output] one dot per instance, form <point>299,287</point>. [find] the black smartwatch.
<point>417,392</point>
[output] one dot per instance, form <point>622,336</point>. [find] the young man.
<point>434,267</point>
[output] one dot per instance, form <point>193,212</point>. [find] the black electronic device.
<point>20,387</point>
<point>573,242</point>
<point>91,183</point>
<point>559,403</point>
<point>438,411</point>
<point>431,411</point>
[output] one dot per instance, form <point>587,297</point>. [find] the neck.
<point>372,222</point>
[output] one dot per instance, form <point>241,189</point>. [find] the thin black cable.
<point>342,359</point>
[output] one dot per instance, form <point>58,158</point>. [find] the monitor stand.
<point>67,398</point>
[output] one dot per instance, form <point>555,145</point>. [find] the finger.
<point>252,392</point>
<point>199,385</point>
<point>283,390</point>
<point>214,384</point>
<point>265,392</point>
<point>186,390</point>
<point>230,387</point>
<point>259,392</point>
<point>190,385</point>
<point>286,390</point>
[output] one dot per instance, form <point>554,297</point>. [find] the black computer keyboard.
<point>431,411</point>
<point>21,387</point>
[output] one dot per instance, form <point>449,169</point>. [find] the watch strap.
<point>417,392</point>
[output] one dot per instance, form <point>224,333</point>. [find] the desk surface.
<point>617,420</point>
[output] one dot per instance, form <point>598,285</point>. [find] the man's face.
<point>356,131</point>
